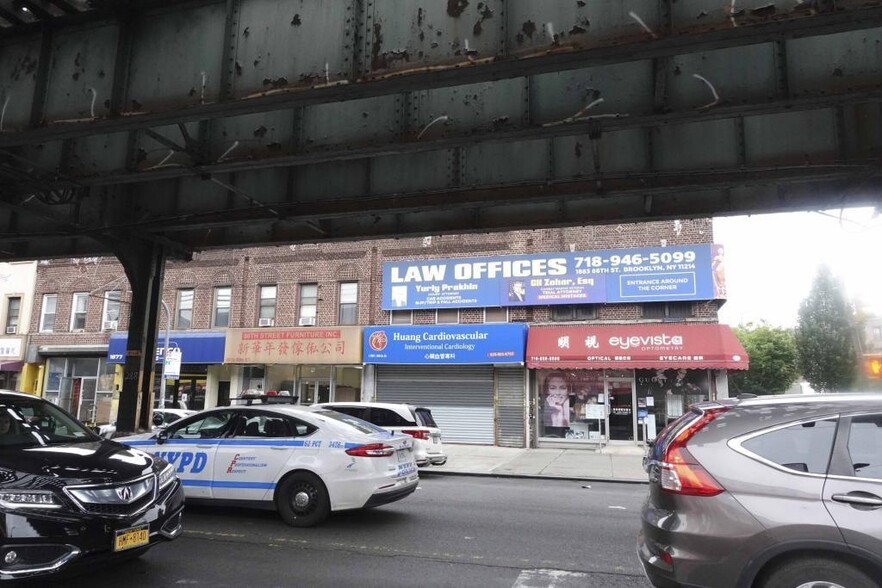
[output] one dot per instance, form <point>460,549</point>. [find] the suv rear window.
<point>425,416</point>
<point>804,447</point>
<point>383,417</point>
<point>356,423</point>
<point>865,446</point>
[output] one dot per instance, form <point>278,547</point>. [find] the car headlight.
<point>28,499</point>
<point>167,475</point>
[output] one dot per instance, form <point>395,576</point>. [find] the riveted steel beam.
<point>582,127</point>
<point>470,72</point>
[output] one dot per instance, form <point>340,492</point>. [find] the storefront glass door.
<point>315,391</point>
<point>620,392</point>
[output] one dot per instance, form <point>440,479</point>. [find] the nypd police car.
<point>305,462</point>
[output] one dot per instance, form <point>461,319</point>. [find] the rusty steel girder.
<point>197,124</point>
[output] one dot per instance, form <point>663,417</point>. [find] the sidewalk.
<point>614,464</point>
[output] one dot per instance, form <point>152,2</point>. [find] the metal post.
<point>164,353</point>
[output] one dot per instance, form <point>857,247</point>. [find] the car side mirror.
<point>162,437</point>
<point>157,419</point>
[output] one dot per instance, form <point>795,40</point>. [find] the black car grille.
<point>119,510</point>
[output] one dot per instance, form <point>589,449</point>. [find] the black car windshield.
<point>32,422</point>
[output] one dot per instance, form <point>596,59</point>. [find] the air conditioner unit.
<point>11,330</point>
<point>266,322</point>
<point>111,325</point>
<point>307,321</point>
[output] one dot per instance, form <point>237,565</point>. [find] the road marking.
<point>551,579</point>
<point>617,508</point>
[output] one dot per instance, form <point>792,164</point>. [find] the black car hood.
<point>74,463</point>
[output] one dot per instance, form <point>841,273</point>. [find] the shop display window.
<point>663,395</point>
<point>571,405</point>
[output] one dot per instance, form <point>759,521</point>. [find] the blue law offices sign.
<point>195,347</point>
<point>649,274</point>
<point>448,344</point>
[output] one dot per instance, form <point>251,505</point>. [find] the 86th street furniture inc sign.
<point>650,274</point>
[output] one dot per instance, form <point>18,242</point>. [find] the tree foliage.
<point>773,360</point>
<point>824,336</point>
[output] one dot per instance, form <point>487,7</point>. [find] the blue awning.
<point>195,346</point>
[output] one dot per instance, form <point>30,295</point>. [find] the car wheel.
<point>817,573</point>
<point>302,500</point>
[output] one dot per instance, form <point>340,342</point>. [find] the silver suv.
<point>401,418</point>
<point>773,492</point>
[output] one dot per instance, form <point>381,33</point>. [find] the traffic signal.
<point>873,366</point>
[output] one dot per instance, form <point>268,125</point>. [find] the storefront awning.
<point>648,345</point>
<point>196,346</point>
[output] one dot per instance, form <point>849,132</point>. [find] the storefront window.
<point>664,395</point>
<point>347,384</point>
<point>571,404</point>
<point>54,373</point>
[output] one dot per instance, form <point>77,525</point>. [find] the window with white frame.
<point>13,310</point>
<point>221,315</point>
<point>447,316</point>
<point>47,315</point>
<point>348,303</point>
<point>78,311</point>
<point>308,304</point>
<point>184,316</point>
<point>267,312</point>
<point>110,316</point>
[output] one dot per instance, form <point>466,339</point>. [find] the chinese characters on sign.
<point>10,349</point>
<point>294,346</point>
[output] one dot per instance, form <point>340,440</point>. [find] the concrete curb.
<point>431,473</point>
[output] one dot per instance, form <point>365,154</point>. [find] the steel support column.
<point>144,264</point>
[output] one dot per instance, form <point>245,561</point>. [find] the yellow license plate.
<point>131,538</point>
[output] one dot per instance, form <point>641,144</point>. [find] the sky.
<point>772,260</point>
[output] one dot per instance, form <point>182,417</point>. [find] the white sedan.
<point>303,461</point>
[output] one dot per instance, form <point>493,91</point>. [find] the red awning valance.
<point>648,345</point>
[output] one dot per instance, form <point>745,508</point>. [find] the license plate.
<point>131,538</point>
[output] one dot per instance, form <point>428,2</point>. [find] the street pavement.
<point>622,463</point>
<point>456,531</point>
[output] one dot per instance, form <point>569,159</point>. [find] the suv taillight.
<point>680,471</point>
<point>424,435</point>
<point>371,450</point>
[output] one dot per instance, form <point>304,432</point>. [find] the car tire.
<point>804,571</point>
<point>302,500</point>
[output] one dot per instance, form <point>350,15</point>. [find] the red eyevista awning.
<point>648,345</point>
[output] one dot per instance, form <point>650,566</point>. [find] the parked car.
<point>401,418</point>
<point>772,492</point>
<point>69,499</point>
<point>302,461</point>
<point>163,417</point>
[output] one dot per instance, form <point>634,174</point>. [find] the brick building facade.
<point>69,282</point>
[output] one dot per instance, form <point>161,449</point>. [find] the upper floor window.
<point>667,310</point>
<point>78,311</point>
<point>267,312</point>
<point>495,315</point>
<point>447,316</point>
<point>221,315</point>
<point>308,304</point>
<point>573,312</point>
<point>110,320</point>
<point>13,310</point>
<point>401,317</point>
<point>47,316</point>
<point>184,317</point>
<point>348,303</point>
